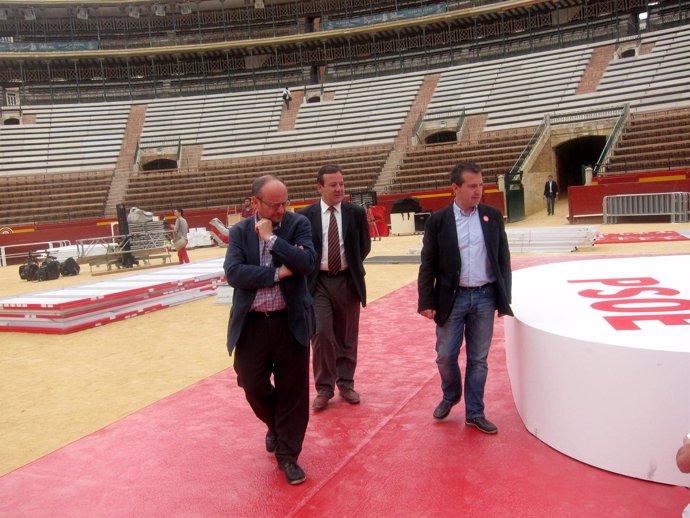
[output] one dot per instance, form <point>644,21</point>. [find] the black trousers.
<point>267,347</point>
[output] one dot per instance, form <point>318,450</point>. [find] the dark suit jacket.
<point>357,243</point>
<point>246,276</point>
<point>547,190</point>
<point>439,273</point>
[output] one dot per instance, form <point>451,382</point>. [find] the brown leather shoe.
<point>320,402</point>
<point>350,395</point>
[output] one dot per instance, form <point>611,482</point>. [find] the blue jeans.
<point>473,316</point>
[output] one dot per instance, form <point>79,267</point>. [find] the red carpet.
<point>640,237</point>
<point>199,452</point>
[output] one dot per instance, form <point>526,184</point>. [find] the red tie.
<point>333,244</point>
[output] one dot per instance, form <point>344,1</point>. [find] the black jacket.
<point>439,273</point>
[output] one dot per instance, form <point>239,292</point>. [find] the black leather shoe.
<point>293,473</point>
<point>482,424</point>
<point>271,441</point>
<point>443,409</point>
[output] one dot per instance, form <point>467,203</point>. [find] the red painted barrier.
<point>661,176</point>
<point>430,201</point>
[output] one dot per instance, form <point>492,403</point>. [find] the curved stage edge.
<point>598,356</point>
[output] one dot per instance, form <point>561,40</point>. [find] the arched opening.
<point>573,156</point>
<point>440,137</point>
<point>629,53</point>
<point>160,164</point>
<point>314,99</point>
<point>11,121</point>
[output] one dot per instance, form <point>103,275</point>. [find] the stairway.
<point>125,162</point>
<point>402,141</point>
<point>601,56</point>
<point>191,157</point>
<point>288,118</point>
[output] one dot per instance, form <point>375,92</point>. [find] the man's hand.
<point>284,271</point>
<point>428,313</point>
<point>264,227</point>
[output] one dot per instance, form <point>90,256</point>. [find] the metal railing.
<point>26,248</point>
<point>599,167</point>
<point>538,133</point>
<point>673,204</point>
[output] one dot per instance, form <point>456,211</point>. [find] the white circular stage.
<point>599,361</point>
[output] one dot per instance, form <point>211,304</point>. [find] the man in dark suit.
<point>268,260</point>
<point>550,193</point>
<point>341,238</point>
<point>464,278</point>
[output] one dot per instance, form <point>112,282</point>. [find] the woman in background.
<point>180,236</point>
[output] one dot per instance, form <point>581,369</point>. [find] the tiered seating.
<point>246,124</point>
<point>220,187</point>
<point>653,81</point>
<point>518,90</point>
<point>428,167</point>
<point>41,198</point>
<point>64,138</point>
<point>652,141</point>
<point>215,120</point>
<point>362,112</point>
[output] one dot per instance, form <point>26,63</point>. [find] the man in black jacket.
<point>340,233</point>
<point>268,260</point>
<point>464,278</point>
<point>550,193</point>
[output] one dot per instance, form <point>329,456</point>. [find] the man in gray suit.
<point>269,257</point>
<point>340,233</point>
<point>464,278</point>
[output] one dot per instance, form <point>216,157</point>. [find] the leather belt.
<point>329,274</point>
<point>269,314</point>
<point>476,288</point>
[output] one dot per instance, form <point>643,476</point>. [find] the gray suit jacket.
<point>244,273</point>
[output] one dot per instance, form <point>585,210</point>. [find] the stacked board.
<point>76,308</point>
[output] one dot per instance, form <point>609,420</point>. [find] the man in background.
<point>550,193</point>
<point>340,233</point>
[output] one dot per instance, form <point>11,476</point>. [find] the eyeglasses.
<point>275,206</point>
